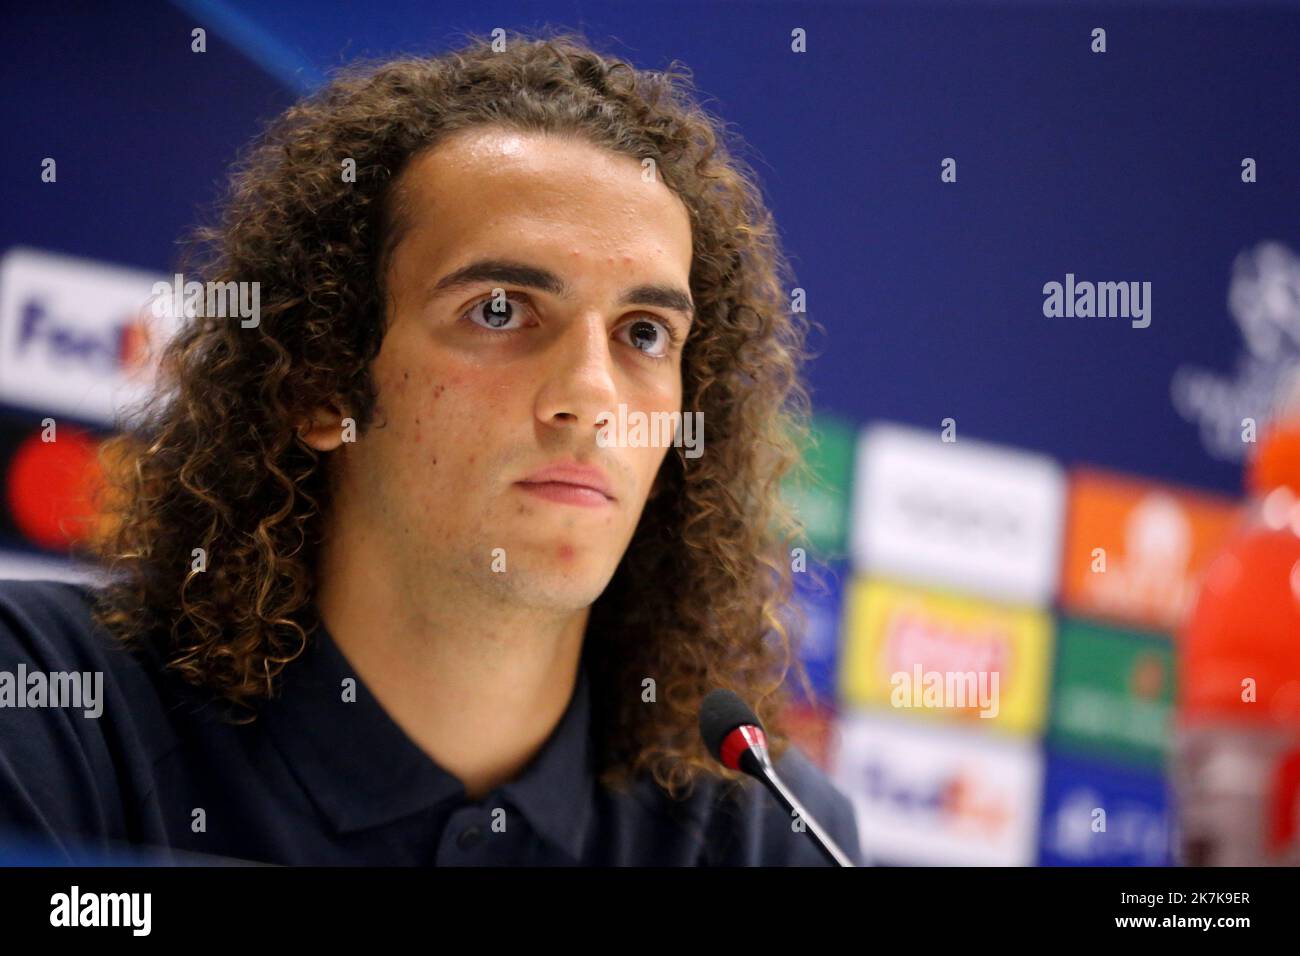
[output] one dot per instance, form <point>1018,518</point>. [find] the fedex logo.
<point>937,796</point>
<point>108,348</point>
<point>952,799</point>
<point>76,335</point>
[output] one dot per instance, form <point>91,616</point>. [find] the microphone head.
<point>721,712</point>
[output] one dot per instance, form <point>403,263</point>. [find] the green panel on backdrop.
<point>823,501</point>
<point>1113,692</point>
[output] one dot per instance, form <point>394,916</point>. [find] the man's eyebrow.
<point>503,271</point>
<point>509,272</point>
<point>664,296</point>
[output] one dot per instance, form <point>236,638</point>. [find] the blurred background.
<point>1101,516</point>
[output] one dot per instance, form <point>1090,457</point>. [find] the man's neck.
<point>477,684</point>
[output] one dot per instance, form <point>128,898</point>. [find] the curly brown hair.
<point>213,459</point>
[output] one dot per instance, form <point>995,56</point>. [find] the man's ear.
<point>325,430</point>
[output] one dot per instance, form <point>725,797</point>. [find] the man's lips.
<point>565,493</point>
<point>570,483</point>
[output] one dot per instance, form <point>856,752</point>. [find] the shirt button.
<point>469,837</point>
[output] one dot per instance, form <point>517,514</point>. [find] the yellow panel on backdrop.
<point>940,654</point>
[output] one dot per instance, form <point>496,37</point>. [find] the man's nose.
<point>579,385</point>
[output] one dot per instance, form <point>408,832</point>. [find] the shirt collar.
<point>362,770</point>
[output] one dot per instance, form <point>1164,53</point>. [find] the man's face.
<point>484,382</point>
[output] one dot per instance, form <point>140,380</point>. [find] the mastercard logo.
<point>52,487</point>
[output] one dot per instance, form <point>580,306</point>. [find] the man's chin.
<point>554,593</point>
<point>557,576</point>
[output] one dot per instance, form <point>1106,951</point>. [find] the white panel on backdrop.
<point>75,334</point>
<point>969,515</point>
<point>931,796</point>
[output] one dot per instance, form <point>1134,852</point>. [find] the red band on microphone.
<point>738,741</point>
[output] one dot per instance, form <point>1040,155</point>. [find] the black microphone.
<point>735,737</point>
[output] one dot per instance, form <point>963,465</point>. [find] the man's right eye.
<point>496,313</point>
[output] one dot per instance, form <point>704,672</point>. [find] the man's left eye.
<point>649,336</point>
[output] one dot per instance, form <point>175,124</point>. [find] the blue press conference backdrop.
<point>1123,166</point>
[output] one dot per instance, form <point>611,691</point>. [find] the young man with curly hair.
<point>378,592</point>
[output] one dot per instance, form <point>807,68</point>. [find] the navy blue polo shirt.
<point>317,779</point>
